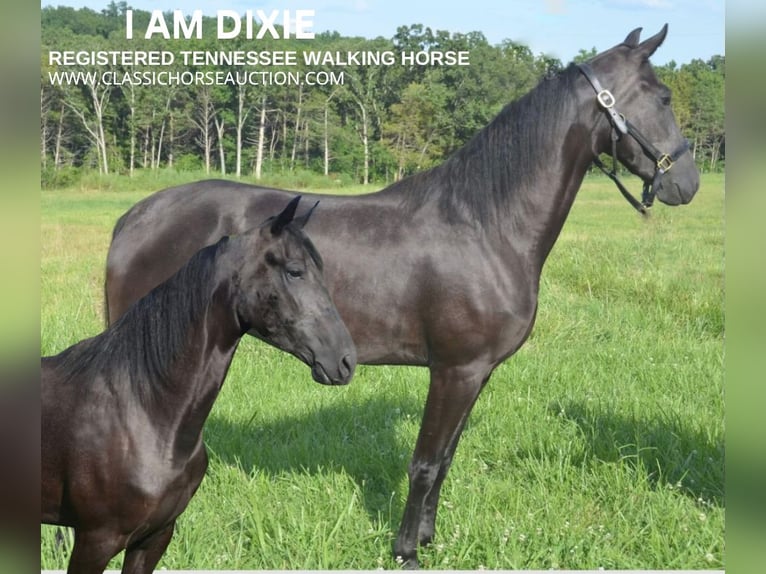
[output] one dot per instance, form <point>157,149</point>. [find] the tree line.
<point>380,124</point>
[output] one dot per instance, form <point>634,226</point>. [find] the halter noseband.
<point>620,125</point>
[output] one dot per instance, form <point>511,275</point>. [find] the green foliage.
<point>66,176</point>
<point>584,55</point>
<point>698,103</point>
<point>188,162</point>
<point>600,444</point>
<point>415,130</point>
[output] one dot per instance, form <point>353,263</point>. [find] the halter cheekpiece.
<point>621,126</point>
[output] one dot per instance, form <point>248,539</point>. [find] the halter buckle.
<point>664,163</point>
<point>606,99</point>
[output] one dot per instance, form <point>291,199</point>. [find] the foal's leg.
<point>451,396</point>
<point>142,557</point>
<point>92,551</point>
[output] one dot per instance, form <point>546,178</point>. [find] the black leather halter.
<point>620,125</point>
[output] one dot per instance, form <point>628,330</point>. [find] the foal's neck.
<point>201,366</point>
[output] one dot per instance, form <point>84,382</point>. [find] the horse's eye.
<point>294,272</point>
<point>666,100</point>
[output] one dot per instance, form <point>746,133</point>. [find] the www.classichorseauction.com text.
<point>166,68</point>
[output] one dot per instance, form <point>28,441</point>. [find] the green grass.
<point>600,444</point>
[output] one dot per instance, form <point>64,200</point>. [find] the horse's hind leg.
<point>143,556</point>
<point>92,551</point>
<point>451,396</point>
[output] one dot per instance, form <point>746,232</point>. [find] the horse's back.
<point>156,236</point>
<point>201,205</point>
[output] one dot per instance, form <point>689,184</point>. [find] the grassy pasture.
<point>600,444</point>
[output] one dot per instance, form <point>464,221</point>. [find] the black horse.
<point>122,413</point>
<point>442,269</point>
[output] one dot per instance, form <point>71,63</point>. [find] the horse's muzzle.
<point>678,185</point>
<point>341,375</point>
<point>671,193</point>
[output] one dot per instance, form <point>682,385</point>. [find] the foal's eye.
<point>294,272</point>
<point>665,100</point>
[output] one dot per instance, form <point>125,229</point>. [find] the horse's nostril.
<point>345,366</point>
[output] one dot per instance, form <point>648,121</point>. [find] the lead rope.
<point>647,196</point>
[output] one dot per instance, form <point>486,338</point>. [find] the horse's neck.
<point>539,207</point>
<point>539,213</point>
<point>201,367</point>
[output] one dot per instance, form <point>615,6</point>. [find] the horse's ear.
<point>650,45</point>
<point>286,217</point>
<point>304,219</point>
<point>632,39</point>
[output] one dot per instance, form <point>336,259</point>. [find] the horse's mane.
<point>146,341</point>
<point>480,178</point>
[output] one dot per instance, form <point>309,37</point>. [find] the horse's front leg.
<point>451,396</point>
<point>427,525</point>
<point>93,550</point>
<point>143,556</point>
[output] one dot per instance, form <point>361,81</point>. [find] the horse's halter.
<point>620,125</point>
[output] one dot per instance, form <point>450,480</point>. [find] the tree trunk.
<point>715,153</point>
<point>284,138</point>
<point>96,132</point>
<point>242,114</point>
<point>43,129</point>
<point>219,125</point>
<point>59,137</point>
<point>156,163</point>
<point>132,161</point>
<point>202,120</point>
<point>326,139</point>
<point>147,143</point>
<point>296,128</point>
<point>99,108</point>
<point>171,138</point>
<point>261,137</point>
<point>365,144</point>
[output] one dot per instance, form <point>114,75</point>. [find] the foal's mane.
<point>480,178</point>
<point>144,343</point>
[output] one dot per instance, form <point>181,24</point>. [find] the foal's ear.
<point>304,219</point>
<point>286,217</point>
<point>650,45</point>
<point>632,39</point>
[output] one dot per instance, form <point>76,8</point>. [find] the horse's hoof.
<point>426,540</point>
<point>410,563</point>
